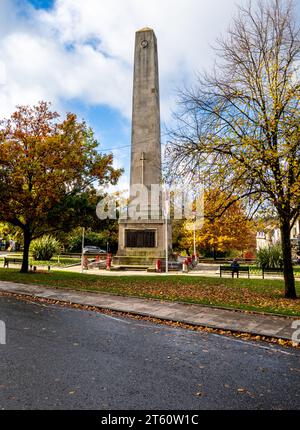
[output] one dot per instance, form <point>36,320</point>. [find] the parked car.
<point>94,250</point>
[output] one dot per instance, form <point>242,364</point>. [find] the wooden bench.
<point>267,271</point>
<point>17,260</point>
<point>13,260</point>
<point>233,270</point>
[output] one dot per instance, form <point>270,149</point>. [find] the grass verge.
<point>54,262</point>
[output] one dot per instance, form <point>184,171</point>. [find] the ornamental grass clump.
<point>270,258</point>
<point>44,248</point>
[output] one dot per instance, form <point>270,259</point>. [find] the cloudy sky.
<point>78,54</point>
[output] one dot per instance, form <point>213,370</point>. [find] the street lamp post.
<point>82,250</point>
<point>167,209</point>
<point>195,247</point>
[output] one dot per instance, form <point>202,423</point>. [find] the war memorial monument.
<point>143,238</point>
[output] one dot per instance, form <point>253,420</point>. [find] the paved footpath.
<point>257,324</point>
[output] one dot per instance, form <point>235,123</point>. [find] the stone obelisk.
<point>142,241</point>
<point>146,144</point>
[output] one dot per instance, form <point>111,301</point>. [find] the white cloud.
<point>84,49</point>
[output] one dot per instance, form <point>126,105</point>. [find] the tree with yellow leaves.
<point>229,231</point>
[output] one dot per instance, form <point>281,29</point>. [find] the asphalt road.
<point>60,358</point>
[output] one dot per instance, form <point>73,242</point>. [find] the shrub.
<point>45,248</point>
<point>271,257</point>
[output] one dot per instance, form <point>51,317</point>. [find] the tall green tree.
<point>48,167</point>
<point>239,125</point>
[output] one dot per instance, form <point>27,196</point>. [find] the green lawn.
<point>55,261</point>
<point>244,294</point>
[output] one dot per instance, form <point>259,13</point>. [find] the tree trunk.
<point>27,241</point>
<point>289,278</point>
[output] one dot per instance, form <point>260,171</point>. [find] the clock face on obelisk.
<point>144,43</point>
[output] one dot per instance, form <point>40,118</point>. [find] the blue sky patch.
<point>42,4</point>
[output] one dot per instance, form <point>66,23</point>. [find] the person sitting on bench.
<point>235,267</point>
